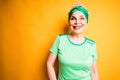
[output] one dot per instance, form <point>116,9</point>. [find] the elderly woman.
<point>76,53</point>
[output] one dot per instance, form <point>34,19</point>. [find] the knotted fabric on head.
<point>78,8</point>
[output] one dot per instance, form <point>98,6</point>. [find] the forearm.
<point>95,76</point>
<point>51,72</point>
<point>94,71</point>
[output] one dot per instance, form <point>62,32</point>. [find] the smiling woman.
<point>77,22</point>
<point>76,53</point>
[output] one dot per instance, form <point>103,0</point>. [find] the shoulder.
<point>90,41</point>
<point>61,35</point>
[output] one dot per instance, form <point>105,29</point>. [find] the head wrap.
<point>81,9</point>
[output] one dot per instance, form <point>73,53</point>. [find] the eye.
<point>72,18</point>
<point>82,18</point>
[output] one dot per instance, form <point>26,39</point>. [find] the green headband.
<point>81,9</point>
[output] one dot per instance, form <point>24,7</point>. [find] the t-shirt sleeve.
<point>55,46</point>
<point>94,52</point>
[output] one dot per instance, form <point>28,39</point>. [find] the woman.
<point>76,53</point>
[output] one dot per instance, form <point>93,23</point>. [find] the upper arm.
<point>54,51</point>
<point>94,53</point>
<point>51,59</point>
<point>55,46</point>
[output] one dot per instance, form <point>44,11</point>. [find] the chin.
<point>77,32</point>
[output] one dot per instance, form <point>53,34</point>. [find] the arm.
<point>50,66</point>
<point>94,71</point>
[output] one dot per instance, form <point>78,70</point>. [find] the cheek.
<point>85,24</point>
<point>84,21</point>
<point>71,22</point>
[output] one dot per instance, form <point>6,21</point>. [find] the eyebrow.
<point>79,16</point>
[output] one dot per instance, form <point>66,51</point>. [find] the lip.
<point>76,27</point>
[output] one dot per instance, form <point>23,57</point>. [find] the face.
<point>77,22</point>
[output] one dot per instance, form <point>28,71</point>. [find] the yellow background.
<point>29,27</point>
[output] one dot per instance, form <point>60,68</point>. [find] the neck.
<point>77,35</point>
<point>76,38</point>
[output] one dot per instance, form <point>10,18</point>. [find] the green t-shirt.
<point>75,60</point>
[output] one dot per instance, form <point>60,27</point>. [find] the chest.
<point>76,56</point>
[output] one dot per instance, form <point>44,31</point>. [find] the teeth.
<point>76,27</point>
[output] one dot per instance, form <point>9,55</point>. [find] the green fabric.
<point>81,9</point>
<point>75,60</point>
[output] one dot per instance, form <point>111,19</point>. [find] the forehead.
<point>78,14</point>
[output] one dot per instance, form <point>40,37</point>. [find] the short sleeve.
<point>94,52</point>
<point>55,46</point>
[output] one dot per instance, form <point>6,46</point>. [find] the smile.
<point>76,27</point>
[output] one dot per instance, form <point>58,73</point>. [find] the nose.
<point>78,22</point>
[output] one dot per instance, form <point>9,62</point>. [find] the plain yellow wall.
<point>29,27</point>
